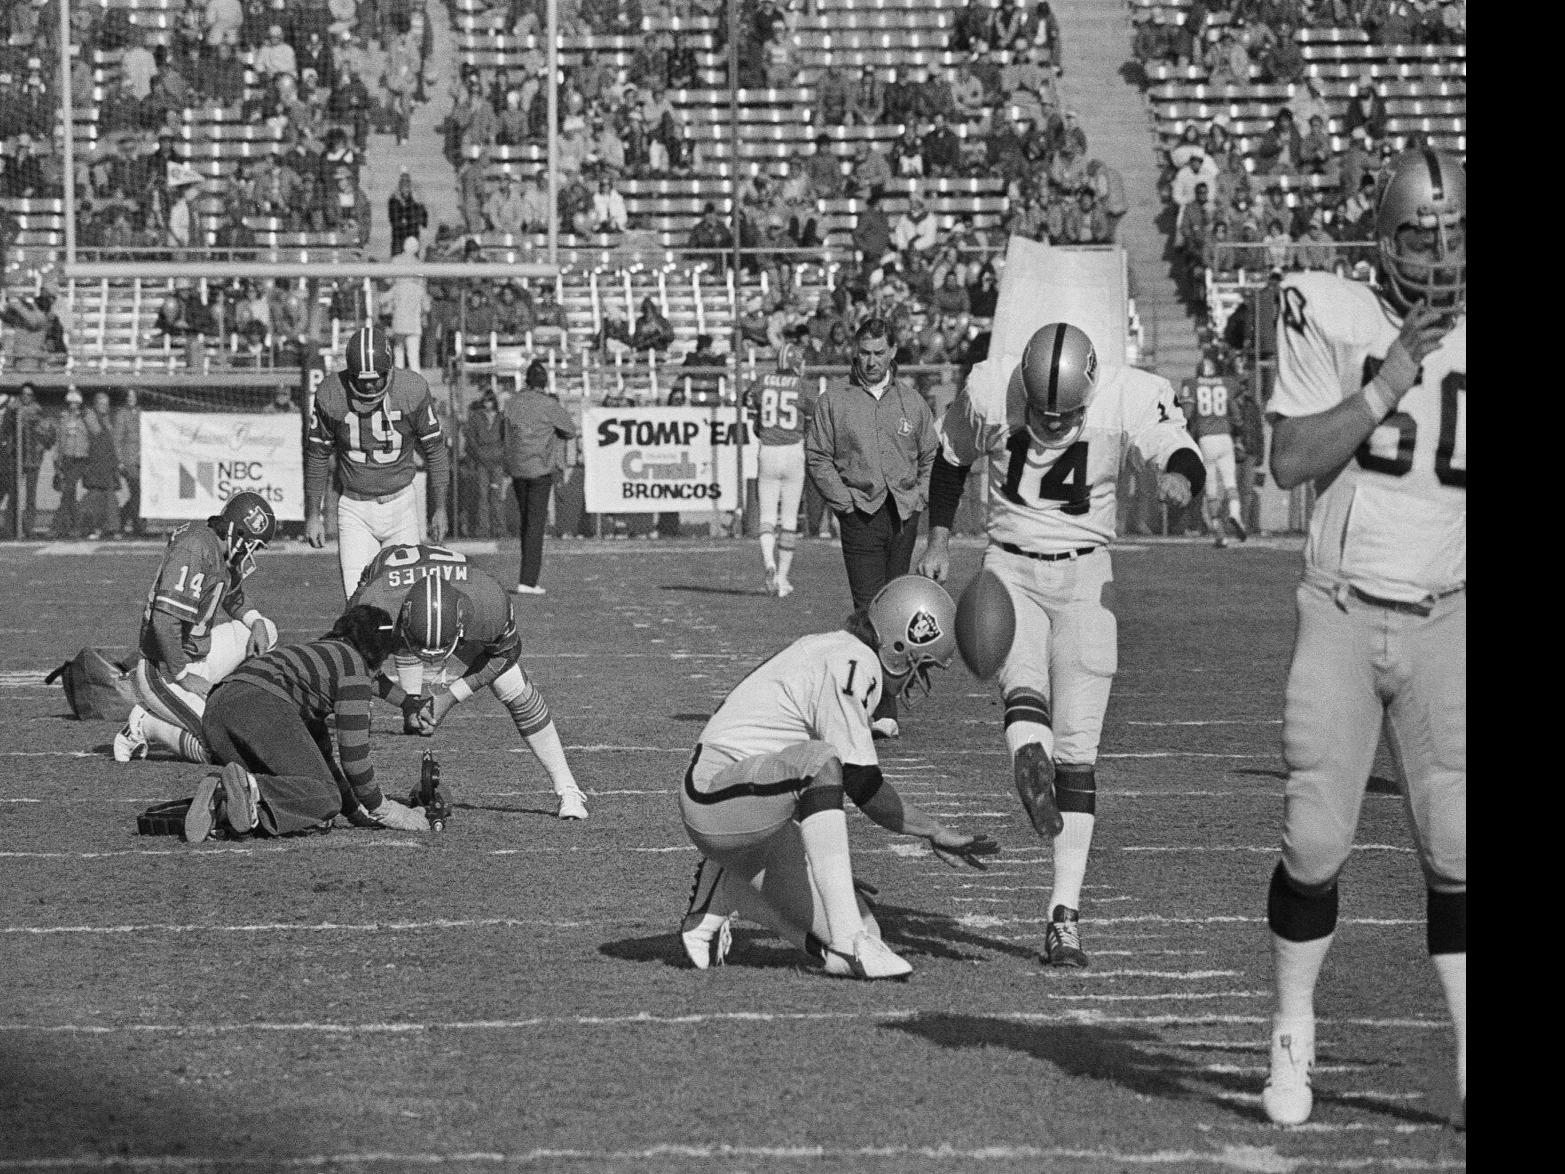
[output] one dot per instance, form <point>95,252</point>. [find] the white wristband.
<point>1377,401</point>
<point>460,691</point>
<point>250,617</point>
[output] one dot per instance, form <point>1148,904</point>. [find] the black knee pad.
<point>1447,926</point>
<point>819,797</point>
<point>1076,788</point>
<point>1299,913</point>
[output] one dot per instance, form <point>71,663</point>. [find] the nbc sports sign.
<point>643,460</point>
<point>192,462</point>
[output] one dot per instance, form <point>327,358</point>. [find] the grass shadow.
<point>704,589</point>
<point>753,949</point>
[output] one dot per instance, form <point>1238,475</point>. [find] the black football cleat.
<point>1062,940</point>
<point>1035,785</point>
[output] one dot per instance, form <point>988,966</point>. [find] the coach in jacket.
<point>869,451</point>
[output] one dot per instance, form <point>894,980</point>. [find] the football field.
<point>511,994</point>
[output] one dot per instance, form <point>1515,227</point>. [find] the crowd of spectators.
<point>1257,40</point>
<point>316,75</point>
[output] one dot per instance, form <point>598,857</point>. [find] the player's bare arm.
<point>879,800</point>
<point>1305,448</point>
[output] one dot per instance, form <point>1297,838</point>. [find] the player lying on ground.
<point>266,723</point>
<point>456,635</point>
<point>185,646</point>
<point>368,419</point>
<point>762,798</point>
<point>1371,405</point>
<point>1054,433</point>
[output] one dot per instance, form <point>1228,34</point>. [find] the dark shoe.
<point>1034,771</point>
<point>1062,940</point>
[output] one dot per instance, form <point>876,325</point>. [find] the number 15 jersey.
<point>1052,500</point>
<point>375,449</point>
<point>1393,521</point>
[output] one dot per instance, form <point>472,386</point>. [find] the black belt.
<point>1050,558</point>
<point>1417,607</point>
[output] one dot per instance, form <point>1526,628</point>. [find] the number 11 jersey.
<point>1053,500</point>
<point>1393,521</point>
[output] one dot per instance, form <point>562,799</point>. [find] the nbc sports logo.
<point>205,477</point>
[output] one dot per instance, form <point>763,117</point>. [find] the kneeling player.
<point>269,717</point>
<point>762,799</point>
<point>185,649</point>
<point>451,615</point>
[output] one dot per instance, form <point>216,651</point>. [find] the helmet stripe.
<point>432,612</point>
<point>1054,367</point>
<point>1436,176</point>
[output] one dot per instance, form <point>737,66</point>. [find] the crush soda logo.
<point>923,628</point>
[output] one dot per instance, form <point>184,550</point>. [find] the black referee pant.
<point>877,548</point>
<point>292,765</point>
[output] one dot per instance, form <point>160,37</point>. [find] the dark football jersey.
<point>387,581</point>
<point>1210,403</point>
<point>375,448</point>
<point>193,582</point>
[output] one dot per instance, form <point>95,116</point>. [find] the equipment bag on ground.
<point>96,686</point>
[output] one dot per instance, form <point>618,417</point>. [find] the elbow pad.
<point>861,782</point>
<point>1191,467</point>
<point>946,482</point>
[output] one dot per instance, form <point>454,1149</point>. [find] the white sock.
<point>831,868</point>
<point>410,674</point>
<point>785,553</point>
<point>546,747</point>
<point>1296,967</point>
<point>175,739</point>
<point>1452,969</point>
<point>134,720</point>
<point>1233,510</point>
<point>1019,734</point>
<point>733,894</point>
<point>769,549</point>
<point>1071,847</point>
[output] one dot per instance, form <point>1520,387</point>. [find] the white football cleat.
<point>573,804</point>
<point>885,727</point>
<point>871,958</point>
<point>130,742</point>
<point>1287,1096</point>
<point>708,941</point>
<point>524,589</point>
<point>784,588</point>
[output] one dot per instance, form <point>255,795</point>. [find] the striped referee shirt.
<point>320,678</point>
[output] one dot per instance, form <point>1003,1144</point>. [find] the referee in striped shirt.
<point>266,721</point>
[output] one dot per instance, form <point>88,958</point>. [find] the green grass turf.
<point>511,994</point>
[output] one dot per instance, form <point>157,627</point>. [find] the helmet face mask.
<point>915,619</point>
<point>1421,227</point>
<point>1059,372</point>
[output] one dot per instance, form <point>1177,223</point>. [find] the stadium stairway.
<point>434,180</point>
<point>1115,115</point>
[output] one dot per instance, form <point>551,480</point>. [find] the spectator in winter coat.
<point>406,215</point>
<point>127,445</point>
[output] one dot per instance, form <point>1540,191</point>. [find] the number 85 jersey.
<point>1057,499</point>
<point>1393,521</point>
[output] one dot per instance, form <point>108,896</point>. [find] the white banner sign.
<point>657,460</point>
<point>192,462</point>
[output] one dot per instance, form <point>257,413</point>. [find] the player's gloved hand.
<point>441,702</point>
<point>437,526</point>
<point>1422,331</point>
<point>315,530</point>
<point>400,817</point>
<point>936,561</point>
<point>415,714</point>
<point>193,682</point>
<point>954,849</point>
<point>1173,488</point>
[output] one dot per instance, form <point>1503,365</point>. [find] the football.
<point>985,624</point>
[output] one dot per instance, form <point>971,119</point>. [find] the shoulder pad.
<point>332,398</point>
<point>408,390</point>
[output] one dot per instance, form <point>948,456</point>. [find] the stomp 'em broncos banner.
<point>192,462</point>
<point>657,459</point>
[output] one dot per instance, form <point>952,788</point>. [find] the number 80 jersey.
<point>1052,500</point>
<point>1393,522</point>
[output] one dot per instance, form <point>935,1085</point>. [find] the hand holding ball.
<point>985,625</point>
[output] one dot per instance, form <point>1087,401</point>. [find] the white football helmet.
<point>1059,376</point>
<point>915,619</point>
<point>1427,189</point>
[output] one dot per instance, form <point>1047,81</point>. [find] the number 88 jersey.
<point>1393,522</point>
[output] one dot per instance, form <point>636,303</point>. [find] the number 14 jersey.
<point>1052,500</point>
<point>1393,521</point>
